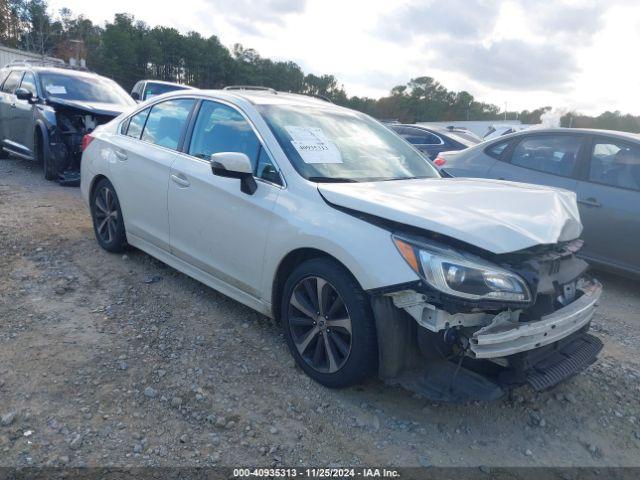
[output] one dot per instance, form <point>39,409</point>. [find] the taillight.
<point>439,161</point>
<point>86,140</point>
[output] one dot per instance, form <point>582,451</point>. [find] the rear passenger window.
<point>497,150</point>
<point>135,125</point>
<point>12,81</point>
<point>553,154</point>
<point>616,164</point>
<point>416,136</point>
<point>166,122</point>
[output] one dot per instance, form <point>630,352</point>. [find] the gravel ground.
<point>119,360</point>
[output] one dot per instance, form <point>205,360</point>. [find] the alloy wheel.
<point>320,324</point>
<point>106,214</point>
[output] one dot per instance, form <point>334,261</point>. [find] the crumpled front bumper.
<point>504,337</point>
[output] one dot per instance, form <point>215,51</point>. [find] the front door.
<point>22,128</point>
<point>609,199</point>
<point>214,226</point>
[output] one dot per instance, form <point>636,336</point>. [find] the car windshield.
<point>84,88</point>
<point>153,89</point>
<point>339,145</point>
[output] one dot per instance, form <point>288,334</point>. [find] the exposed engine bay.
<point>476,349</point>
<point>65,140</point>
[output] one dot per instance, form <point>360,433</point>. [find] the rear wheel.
<point>108,224</point>
<point>328,324</point>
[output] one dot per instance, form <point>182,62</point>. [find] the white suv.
<point>325,219</point>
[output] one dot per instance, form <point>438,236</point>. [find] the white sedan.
<point>323,218</point>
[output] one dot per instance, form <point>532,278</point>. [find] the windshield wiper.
<point>331,180</point>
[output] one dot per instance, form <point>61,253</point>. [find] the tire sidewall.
<point>362,359</point>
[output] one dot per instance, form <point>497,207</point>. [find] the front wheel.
<point>328,324</point>
<point>108,224</point>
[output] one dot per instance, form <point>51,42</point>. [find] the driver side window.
<point>220,128</point>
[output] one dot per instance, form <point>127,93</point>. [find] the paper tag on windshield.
<point>57,90</point>
<point>313,145</point>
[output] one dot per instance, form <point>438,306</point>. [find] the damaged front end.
<point>486,322</point>
<point>65,140</point>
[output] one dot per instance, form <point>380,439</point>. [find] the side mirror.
<point>24,94</point>
<point>235,165</point>
<point>135,96</point>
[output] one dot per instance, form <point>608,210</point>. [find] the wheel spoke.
<point>111,230</point>
<point>343,323</point>
<point>301,321</point>
<point>311,294</point>
<point>303,344</point>
<point>335,306</point>
<point>320,284</point>
<point>331,357</point>
<point>302,305</point>
<point>102,225</point>
<point>317,353</point>
<point>340,343</point>
<point>101,206</point>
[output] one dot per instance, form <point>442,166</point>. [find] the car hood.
<point>494,215</point>
<point>95,108</point>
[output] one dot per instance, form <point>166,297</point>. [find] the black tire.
<point>42,157</point>
<point>108,224</point>
<point>362,358</point>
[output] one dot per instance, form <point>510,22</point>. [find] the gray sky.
<point>570,54</point>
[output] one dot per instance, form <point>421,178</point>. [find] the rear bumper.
<point>502,338</point>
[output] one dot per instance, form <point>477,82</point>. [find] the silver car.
<point>602,167</point>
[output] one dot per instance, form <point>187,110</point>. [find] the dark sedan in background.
<point>602,167</point>
<point>433,140</point>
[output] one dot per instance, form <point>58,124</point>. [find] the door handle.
<point>121,155</point>
<point>180,180</point>
<point>590,202</point>
<point>13,105</point>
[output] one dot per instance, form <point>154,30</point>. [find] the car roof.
<point>585,131</point>
<point>173,84</point>
<point>62,71</point>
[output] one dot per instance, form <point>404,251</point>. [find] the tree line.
<point>128,50</point>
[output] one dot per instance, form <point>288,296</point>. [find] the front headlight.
<point>462,276</point>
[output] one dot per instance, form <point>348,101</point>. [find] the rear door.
<point>609,199</point>
<point>543,159</point>
<point>143,153</point>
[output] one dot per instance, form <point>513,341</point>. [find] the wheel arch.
<point>288,263</point>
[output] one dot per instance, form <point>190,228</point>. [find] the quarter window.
<point>166,122</point>
<point>616,164</point>
<point>553,154</point>
<point>136,123</point>
<point>12,81</point>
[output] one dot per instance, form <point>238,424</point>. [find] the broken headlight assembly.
<point>462,276</point>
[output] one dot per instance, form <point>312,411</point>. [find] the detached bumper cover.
<point>503,337</point>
